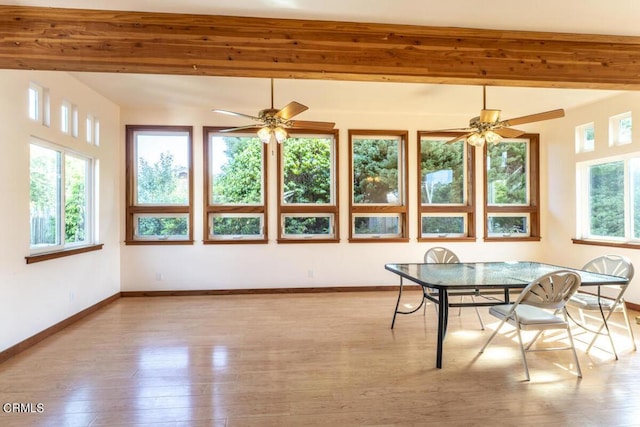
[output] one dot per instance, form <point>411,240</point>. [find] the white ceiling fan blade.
<point>240,128</point>
<point>233,113</point>
<point>460,137</point>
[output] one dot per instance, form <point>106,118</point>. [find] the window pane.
<point>376,225</point>
<point>376,177</point>
<point>624,131</point>
<point>507,170</point>
<point>585,138</point>
<point>65,117</point>
<point>76,203</point>
<point>162,162</point>
<point>442,225</point>
<point>606,199</point>
<point>236,167</point>
<point>307,170</point>
<point>508,226</point>
<point>442,168</point>
<point>35,95</point>
<point>303,225</point>
<point>162,227</point>
<point>44,196</point>
<point>634,166</point>
<point>236,225</point>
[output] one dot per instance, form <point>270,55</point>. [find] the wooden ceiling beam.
<point>161,43</point>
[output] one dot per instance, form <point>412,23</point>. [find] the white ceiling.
<point>619,17</point>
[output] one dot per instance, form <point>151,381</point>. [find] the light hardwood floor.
<point>304,360</point>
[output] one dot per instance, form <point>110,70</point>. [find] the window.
<point>89,129</point>
<point>609,200</point>
<point>65,117</point>
<point>585,138</point>
<point>446,188</point>
<point>378,176</point>
<point>159,185</point>
<point>512,189</point>
<point>620,129</point>
<point>61,198</point>
<point>38,102</point>
<point>96,132</point>
<point>235,182</point>
<point>307,187</point>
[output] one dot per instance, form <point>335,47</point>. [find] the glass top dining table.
<point>438,280</point>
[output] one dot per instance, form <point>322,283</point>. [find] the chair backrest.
<point>614,265</point>
<point>440,255</point>
<point>550,291</point>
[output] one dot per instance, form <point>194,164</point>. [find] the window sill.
<point>31,259</point>
<point>235,242</point>
<point>379,240</point>
<point>158,242</point>
<point>606,243</point>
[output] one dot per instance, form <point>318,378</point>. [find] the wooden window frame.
<point>468,209</point>
<point>232,209</point>
<point>402,210</point>
<point>321,209</point>
<point>532,209</point>
<point>132,209</point>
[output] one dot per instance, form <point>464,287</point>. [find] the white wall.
<point>37,296</point>
<point>560,217</point>
<point>295,265</point>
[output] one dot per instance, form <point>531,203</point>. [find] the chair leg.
<point>523,352</point>
<point>605,326</point>
<point>477,313</point>
<point>626,320</point>
<point>495,332</point>
<point>573,346</point>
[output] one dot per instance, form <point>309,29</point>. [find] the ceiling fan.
<point>273,122</point>
<point>488,127</point>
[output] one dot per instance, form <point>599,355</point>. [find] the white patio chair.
<point>606,305</point>
<point>537,308</point>
<point>440,255</point>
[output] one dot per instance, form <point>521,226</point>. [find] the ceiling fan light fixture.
<point>281,134</point>
<point>475,139</point>
<point>264,134</point>
<point>267,132</point>
<point>492,137</point>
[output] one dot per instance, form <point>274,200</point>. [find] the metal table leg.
<point>443,316</point>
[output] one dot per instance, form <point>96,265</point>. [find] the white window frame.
<point>330,235</point>
<point>89,129</point>
<point>91,190</point>
<point>65,117</point>
<point>460,215</point>
<point>398,217</point>
<point>211,236</point>
<point>582,146</point>
<point>526,233</point>
<point>153,238</point>
<point>615,136</point>
<point>583,219</point>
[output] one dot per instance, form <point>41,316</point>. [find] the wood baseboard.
<point>33,340</point>
<point>261,291</point>
<point>633,306</point>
